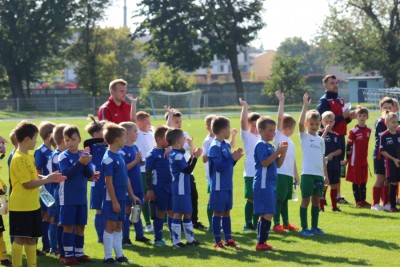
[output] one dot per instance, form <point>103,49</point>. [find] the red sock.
<point>385,194</point>
<point>376,195</point>
<point>321,203</point>
<point>334,198</point>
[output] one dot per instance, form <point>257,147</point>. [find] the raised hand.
<point>280,96</point>
<point>131,98</point>
<point>242,102</point>
<point>234,132</point>
<point>237,154</point>
<point>282,147</point>
<point>197,153</point>
<point>306,100</point>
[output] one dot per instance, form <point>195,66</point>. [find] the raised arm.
<point>244,124</point>
<point>306,103</point>
<point>281,98</point>
<point>133,106</point>
<point>170,111</point>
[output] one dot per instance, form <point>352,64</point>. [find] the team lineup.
<point>129,164</point>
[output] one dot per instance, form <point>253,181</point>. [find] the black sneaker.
<point>336,209</point>
<point>122,259</point>
<point>127,242</point>
<point>110,261</point>
<point>194,243</point>
<point>40,253</point>
<point>342,200</point>
<point>179,246</point>
<point>142,239</point>
<point>199,226</point>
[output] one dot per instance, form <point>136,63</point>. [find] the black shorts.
<point>379,166</point>
<point>2,228</point>
<point>26,223</point>
<point>334,177</point>
<point>393,179</point>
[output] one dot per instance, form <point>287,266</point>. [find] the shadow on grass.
<point>376,215</point>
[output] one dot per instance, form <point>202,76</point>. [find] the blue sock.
<point>68,241</point>
<point>53,237</point>
<point>158,229</point>
<point>79,240</point>
<point>216,221</point>
<point>226,225</point>
<point>261,229</point>
<point>138,229</point>
<point>99,225</point>
<point>60,231</point>
<point>45,237</point>
<point>125,227</point>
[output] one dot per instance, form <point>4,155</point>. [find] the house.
<point>261,66</point>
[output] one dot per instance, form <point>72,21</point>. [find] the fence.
<point>373,96</point>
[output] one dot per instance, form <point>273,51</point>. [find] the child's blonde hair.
<point>58,133</point>
<point>328,114</point>
<point>209,119</point>
<point>264,121</point>
<point>389,115</point>
<point>313,114</point>
<point>13,138</point>
<point>46,129</point>
<point>288,122</point>
<point>112,131</point>
<point>142,115</point>
<point>129,125</point>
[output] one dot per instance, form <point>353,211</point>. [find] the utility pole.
<point>125,19</point>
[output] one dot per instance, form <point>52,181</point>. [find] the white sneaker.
<point>376,207</point>
<point>386,207</point>
<point>149,228</point>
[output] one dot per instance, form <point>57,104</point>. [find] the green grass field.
<point>353,237</point>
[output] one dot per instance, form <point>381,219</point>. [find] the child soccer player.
<point>390,149</point>
<point>332,155</point>
<point>42,154</point>
<point>181,197</point>
<point>250,137</point>
<point>25,215</point>
<point>264,186</point>
<point>380,189</point>
<point>159,180</point>
<point>313,170</point>
<point>221,162</point>
<point>133,160</point>
<point>288,169</point>
<point>357,157</point>
<point>76,165</point>
<point>97,148</point>
<point>117,186</point>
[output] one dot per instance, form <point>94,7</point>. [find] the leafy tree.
<point>186,34</point>
<point>365,34</point>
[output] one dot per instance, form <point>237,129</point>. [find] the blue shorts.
<point>264,201</point>
<point>379,166</point>
<point>163,197</point>
<point>128,201</point>
<point>182,204</point>
<point>221,201</point>
<point>73,214</point>
<point>96,198</point>
<point>109,214</point>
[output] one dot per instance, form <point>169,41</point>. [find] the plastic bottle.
<point>3,203</point>
<point>46,197</point>
<point>295,196</point>
<point>135,213</point>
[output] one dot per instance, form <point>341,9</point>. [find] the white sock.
<point>108,244</point>
<point>176,233</point>
<point>188,227</point>
<point>118,244</point>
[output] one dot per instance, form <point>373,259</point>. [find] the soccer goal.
<point>188,103</point>
<point>374,95</point>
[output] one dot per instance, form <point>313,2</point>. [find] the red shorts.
<point>357,174</point>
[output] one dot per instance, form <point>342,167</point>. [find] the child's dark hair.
<point>173,135</point>
<point>288,122</point>
<point>112,131</point>
<point>25,129</point>
<point>328,77</point>
<point>264,121</point>
<point>253,116</point>
<point>177,114</point>
<point>361,110</point>
<point>160,132</point>
<point>58,133</point>
<point>219,123</point>
<point>46,129</point>
<point>94,126</point>
<point>70,130</point>
<point>386,99</point>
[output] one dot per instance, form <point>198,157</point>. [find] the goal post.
<point>374,95</point>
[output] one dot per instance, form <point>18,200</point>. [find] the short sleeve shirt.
<point>332,143</point>
<point>391,144</point>
<point>313,150</point>
<point>249,143</point>
<point>206,146</point>
<point>287,167</point>
<point>180,180</point>
<point>113,164</point>
<point>145,143</point>
<point>111,112</point>
<point>159,165</point>
<point>221,166</point>
<point>359,140</point>
<point>265,176</point>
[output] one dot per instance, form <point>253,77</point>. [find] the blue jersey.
<point>53,166</point>
<point>220,165</point>
<point>180,180</point>
<point>391,144</point>
<point>74,189</point>
<point>97,151</point>
<point>332,143</point>
<point>113,164</point>
<point>42,154</point>
<point>134,174</point>
<point>159,165</point>
<point>265,176</point>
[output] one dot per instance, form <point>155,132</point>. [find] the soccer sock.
<point>216,220</point>
<point>385,194</point>
<point>285,212</point>
<point>60,231</point>
<point>209,215</point>
<point>188,228</point>
<point>3,249</point>
<point>146,213</point>
<point>158,229</point>
<point>226,226</point>
<point>262,229</point>
<point>108,241</point>
<point>30,252</point>
<point>117,244</point>
<point>139,228</point>
<point>267,229</point>
<point>277,216</point>
<point>16,254</point>
<point>79,241</point>
<point>125,227</point>
<point>248,213</point>
<point>333,198</point>
<point>255,219</point>
<point>176,231</point>
<point>68,242</point>
<point>363,192</point>
<point>303,218</point>
<point>321,203</point>
<point>53,237</point>
<point>45,237</point>
<point>314,216</point>
<point>376,195</point>
<point>392,194</point>
<point>98,224</point>
<point>356,192</point>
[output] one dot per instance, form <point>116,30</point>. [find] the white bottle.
<point>3,204</point>
<point>295,195</point>
<point>46,197</point>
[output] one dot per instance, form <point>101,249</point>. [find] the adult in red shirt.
<point>116,109</point>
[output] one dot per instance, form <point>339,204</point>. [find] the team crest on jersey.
<point>389,141</point>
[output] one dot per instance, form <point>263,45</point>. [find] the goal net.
<point>372,96</point>
<point>188,103</point>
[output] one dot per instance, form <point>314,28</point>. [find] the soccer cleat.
<point>394,209</point>
<point>70,261</point>
<point>386,207</point>
<point>359,205</point>
<point>110,261</point>
<point>317,231</point>
<point>83,258</point>
<point>306,232</point>
<point>291,227</point>
<point>160,243</point>
<point>127,242</point>
<point>40,253</point>
<point>219,245</point>
<point>61,259</point>
<point>122,259</point>
<point>249,227</point>
<point>179,245</point>
<point>336,209</point>
<point>279,229</point>
<point>193,243</point>
<point>5,262</point>
<point>376,207</point>
<point>342,200</point>
<point>264,246</point>
<point>148,228</point>
<point>365,203</point>
<point>143,239</point>
<point>231,243</point>
<point>199,226</point>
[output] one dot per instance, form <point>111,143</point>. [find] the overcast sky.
<point>284,18</point>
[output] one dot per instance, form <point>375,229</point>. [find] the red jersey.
<point>357,143</point>
<point>111,112</point>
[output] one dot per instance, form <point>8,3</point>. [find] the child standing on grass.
<point>221,163</point>
<point>314,168</point>
<point>264,186</point>
<point>25,216</point>
<point>288,169</point>
<point>117,186</point>
<point>357,157</point>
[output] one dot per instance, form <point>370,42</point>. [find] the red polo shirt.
<point>111,112</point>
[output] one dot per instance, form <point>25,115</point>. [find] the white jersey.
<point>249,143</point>
<point>313,150</point>
<point>145,143</point>
<point>206,146</point>
<point>188,150</point>
<point>287,167</point>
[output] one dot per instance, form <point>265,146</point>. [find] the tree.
<point>365,34</point>
<point>186,34</point>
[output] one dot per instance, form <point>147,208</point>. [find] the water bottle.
<point>46,197</point>
<point>295,196</point>
<point>152,209</point>
<point>135,213</point>
<point>3,203</point>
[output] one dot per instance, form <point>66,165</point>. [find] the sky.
<point>284,19</point>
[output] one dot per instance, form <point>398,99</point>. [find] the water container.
<point>3,203</point>
<point>46,197</point>
<point>295,195</point>
<point>135,213</point>
<point>152,209</point>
